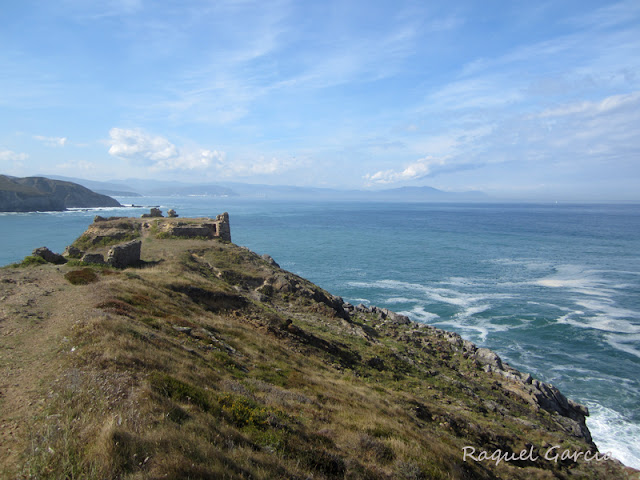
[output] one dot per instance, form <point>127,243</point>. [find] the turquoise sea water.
<point>553,289</point>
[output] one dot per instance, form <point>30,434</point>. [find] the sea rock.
<point>172,213</point>
<point>49,256</point>
<point>125,254</point>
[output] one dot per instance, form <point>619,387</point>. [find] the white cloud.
<point>78,165</point>
<point>12,162</point>
<point>10,156</point>
<point>593,108</point>
<point>141,146</point>
<point>52,141</point>
<point>262,166</point>
<point>198,159</point>
<point>477,93</point>
<point>419,169</point>
<point>160,154</point>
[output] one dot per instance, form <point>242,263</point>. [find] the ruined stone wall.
<point>224,230</point>
<point>125,254</point>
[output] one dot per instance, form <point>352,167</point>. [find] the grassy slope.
<point>211,363</point>
<point>9,185</point>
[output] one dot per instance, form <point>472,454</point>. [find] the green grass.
<point>30,261</point>
<point>89,242</point>
<point>181,391</point>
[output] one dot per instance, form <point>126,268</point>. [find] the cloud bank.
<point>159,154</point>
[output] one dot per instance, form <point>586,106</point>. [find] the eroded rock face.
<point>125,254</point>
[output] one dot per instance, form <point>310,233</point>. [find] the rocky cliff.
<point>42,194</point>
<point>206,360</point>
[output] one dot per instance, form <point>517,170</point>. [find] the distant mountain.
<point>418,194</point>
<point>44,194</point>
<point>112,189</point>
<point>135,187</point>
<point>402,194</point>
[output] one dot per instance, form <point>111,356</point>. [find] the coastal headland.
<point>156,348</point>
<point>31,194</point>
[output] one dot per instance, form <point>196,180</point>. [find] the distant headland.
<point>40,194</point>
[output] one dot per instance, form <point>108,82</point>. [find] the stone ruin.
<point>154,212</point>
<point>195,228</point>
<point>128,254</point>
<point>125,254</point>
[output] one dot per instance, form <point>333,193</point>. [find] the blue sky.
<point>522,100</point>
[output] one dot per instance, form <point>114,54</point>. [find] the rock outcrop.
<point>539,394</point>
<point>49,256</point>
<point>382,313</point>
<point>125,254</point>
<point>95,258</point>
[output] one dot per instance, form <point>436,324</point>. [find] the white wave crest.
<point>578,279</point>
<point>614,433</point>
<point>625,343</point>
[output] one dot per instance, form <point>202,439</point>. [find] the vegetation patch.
<point>171,236</point>
<point>30,260</point>
<point>88,242</point>
<point>180,391</point>
<point>243,412</point>
<point>118,307</point>
<point>83,276</point>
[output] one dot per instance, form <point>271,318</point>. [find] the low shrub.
<point>29,261</point>
<point>84,276</point>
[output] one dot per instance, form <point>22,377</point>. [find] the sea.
<point>553,288</point>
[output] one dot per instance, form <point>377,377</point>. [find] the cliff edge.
<point>201,359</point>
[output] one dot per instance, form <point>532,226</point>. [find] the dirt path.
<point>38,308</point>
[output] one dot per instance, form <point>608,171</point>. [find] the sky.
<point>521,100</point>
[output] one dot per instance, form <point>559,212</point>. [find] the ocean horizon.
<point>552,288</point>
